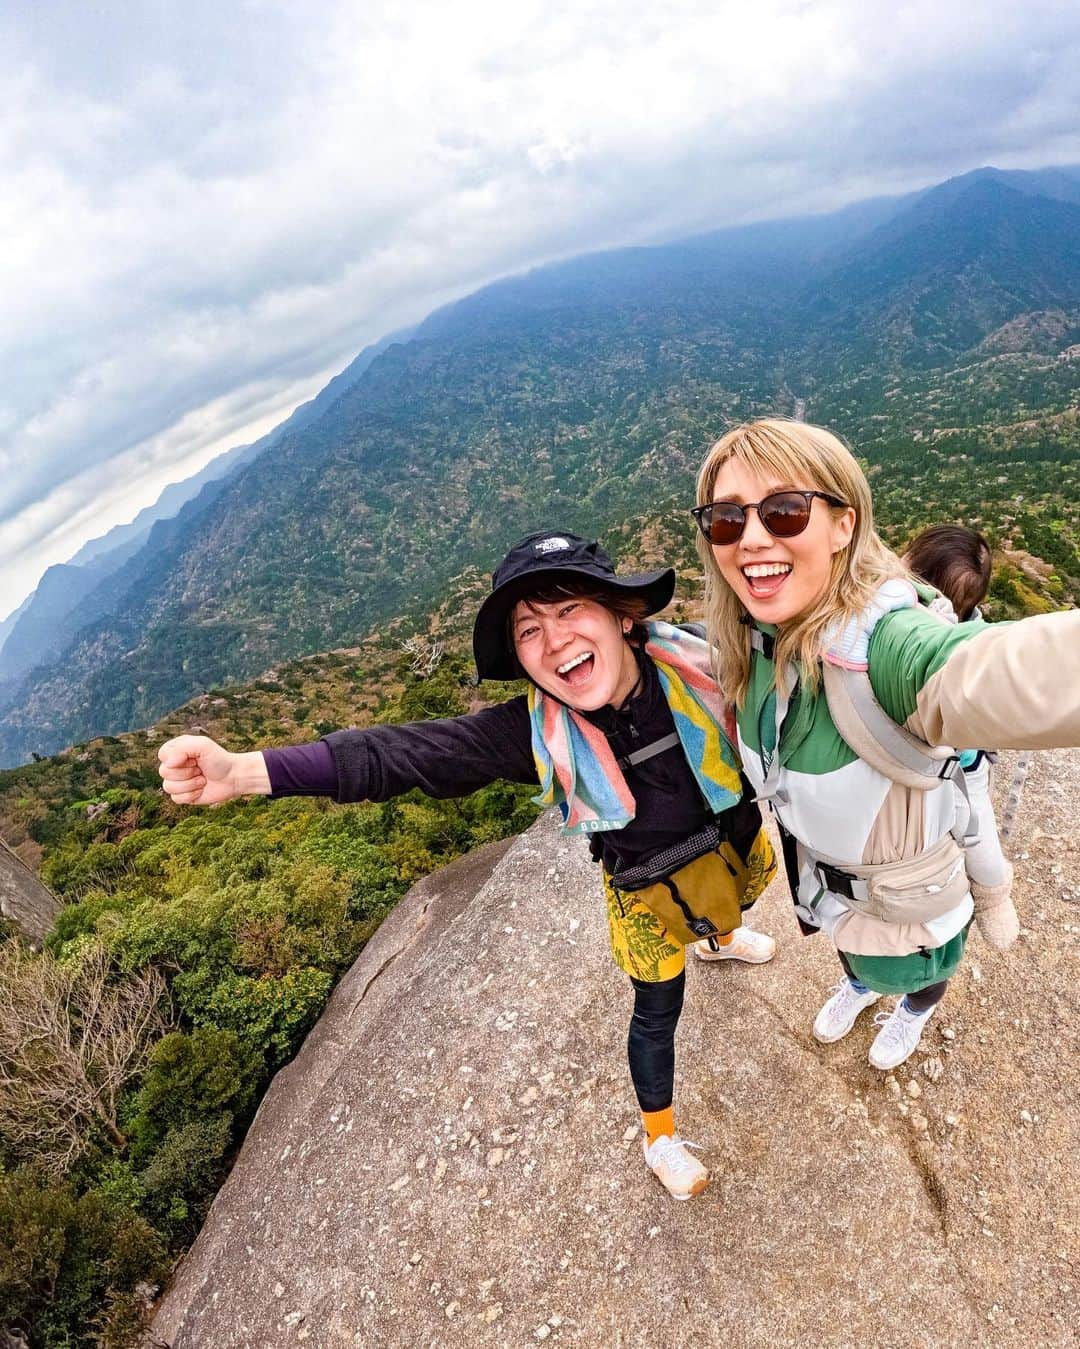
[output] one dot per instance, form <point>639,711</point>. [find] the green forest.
<point>194,952</point>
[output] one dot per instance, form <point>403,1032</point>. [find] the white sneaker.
<point>900,1032</point>
<point>753,947</point>
<point>839,1014</point>
<point>679,1173</point>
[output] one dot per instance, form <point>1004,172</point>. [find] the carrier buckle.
<point>842,883</point>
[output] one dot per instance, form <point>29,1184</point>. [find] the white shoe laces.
<point>898,1025</point>
<point>671,1152</point>
<point>844,992</point>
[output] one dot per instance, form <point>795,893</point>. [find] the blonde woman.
<point>800,587</point>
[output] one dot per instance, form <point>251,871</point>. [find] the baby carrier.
<point>914,889</point>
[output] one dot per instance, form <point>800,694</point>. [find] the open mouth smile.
<point>764,579</point>
<point>578,670</point>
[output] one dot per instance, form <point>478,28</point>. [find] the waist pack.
<point>914,890</point>
<point>699,886</point>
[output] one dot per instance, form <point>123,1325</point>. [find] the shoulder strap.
<point>864,724</point>
<point>869,730</point>
<point>856,713</point>
<point>890,749</point>
<point>648,751</point>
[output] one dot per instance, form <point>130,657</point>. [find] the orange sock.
<point>657,1122</point>
<point>724,938</point>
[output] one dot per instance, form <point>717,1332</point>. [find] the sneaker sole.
<point>699,1185</point>
<point>832,1039</point>
<point>894,1063</point>
<point>713,956</point>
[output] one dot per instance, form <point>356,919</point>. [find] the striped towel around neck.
<point>577,769</point>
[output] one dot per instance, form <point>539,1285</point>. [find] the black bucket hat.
<point>535,561</point>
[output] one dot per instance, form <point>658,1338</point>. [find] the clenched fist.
<point>197,771</point>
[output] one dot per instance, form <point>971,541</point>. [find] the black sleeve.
<point>301,770</point>
<point>452,756</point>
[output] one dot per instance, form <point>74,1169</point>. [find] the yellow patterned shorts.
<point>641,945</point>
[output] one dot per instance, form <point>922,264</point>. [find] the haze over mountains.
<point>938,332</point>
<point>49,618</point>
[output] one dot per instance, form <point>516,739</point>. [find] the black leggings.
<point>922,1001</point>
<point>651,1042</point>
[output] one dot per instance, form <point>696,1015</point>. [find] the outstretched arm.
<point>446,757</point>
<point>449,757</point>
<point>1004,685</point>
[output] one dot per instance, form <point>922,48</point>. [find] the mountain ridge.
<point>101,572</point>
<point>523,401</point>
<point>929,297</point>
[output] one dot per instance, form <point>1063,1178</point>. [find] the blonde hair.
<point>802,456</point>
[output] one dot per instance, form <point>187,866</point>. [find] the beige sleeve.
<point>1016,686</point>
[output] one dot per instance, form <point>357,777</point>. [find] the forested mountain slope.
<point>97,580</point>
<point>939,334</point>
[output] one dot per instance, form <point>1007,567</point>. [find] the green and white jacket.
<point>1012,686</point>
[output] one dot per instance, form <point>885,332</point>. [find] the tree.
<point>424,655</point>
<point>71,1036</point>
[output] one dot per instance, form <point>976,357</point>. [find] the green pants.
<point>909,974</point>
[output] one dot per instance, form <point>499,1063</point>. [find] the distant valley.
<point>939,333</point>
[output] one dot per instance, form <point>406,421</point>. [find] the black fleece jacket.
<point>454,756</point>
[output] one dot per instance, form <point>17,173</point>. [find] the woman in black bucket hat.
<point>625,730</point>
<point>537,563</point>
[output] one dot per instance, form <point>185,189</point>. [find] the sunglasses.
<point>784,514</point>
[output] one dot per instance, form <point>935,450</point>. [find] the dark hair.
<point>617,602</point>
<point>956,561</point>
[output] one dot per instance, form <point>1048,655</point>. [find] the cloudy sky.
<point>209,207</point>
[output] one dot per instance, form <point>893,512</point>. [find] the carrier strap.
<point>869,730</point>
<point>891,749</point>
<point>647,751</point>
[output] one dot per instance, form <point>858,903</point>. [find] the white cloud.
<point>207,205</point>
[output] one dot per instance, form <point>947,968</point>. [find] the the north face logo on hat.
<point>554,545</point>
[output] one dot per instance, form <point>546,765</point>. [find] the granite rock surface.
<point>454,1156</point>
<point>24,900</point>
